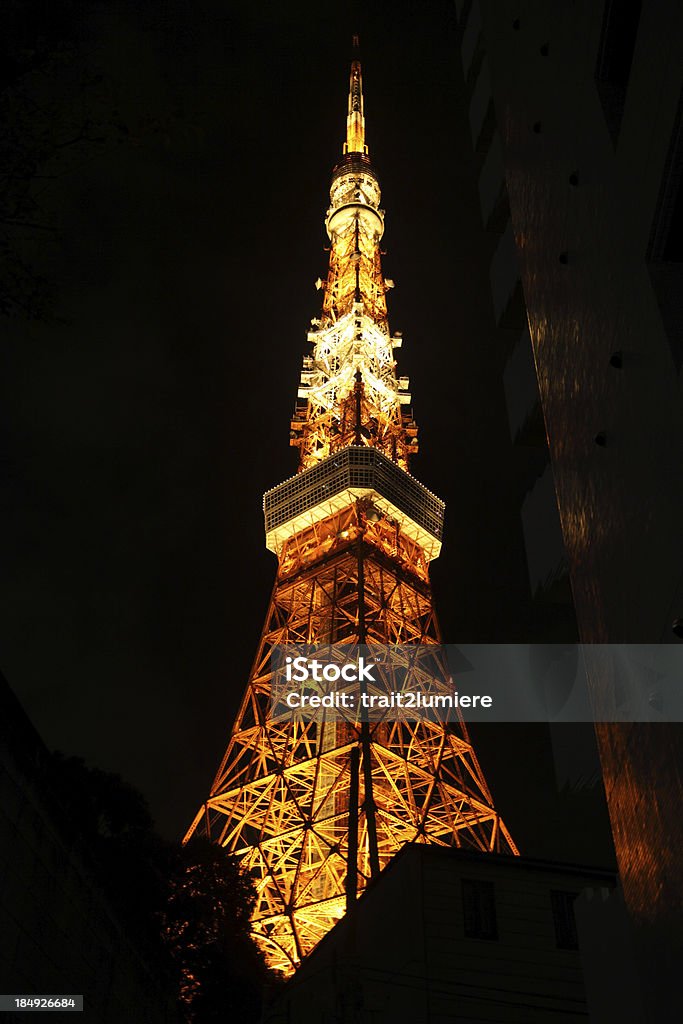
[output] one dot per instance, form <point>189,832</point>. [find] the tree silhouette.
<point>56,113</point>
<point>187,907</point>
<point>206,928</point>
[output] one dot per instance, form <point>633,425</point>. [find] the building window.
<point>479,909</point>
<point>615,54</point>
<point>563,919</point>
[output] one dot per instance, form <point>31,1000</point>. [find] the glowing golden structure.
<point>316,809</point>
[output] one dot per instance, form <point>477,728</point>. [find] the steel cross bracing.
<point>315,809</point>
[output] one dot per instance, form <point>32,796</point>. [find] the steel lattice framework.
<point>316,808</point>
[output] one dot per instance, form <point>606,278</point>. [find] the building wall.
<point>600,301</point>
<point>554,614</point>
<point>522,975</point>
<point>57,933</point>
<point>402,954</point>
<point>592,159</point>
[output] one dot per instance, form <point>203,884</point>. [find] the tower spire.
<point>355,119</point>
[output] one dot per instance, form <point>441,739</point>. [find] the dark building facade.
<point>58,935</point>
<point>451,936</point>
<point>576,119</point>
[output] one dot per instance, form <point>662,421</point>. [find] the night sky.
<point>142,427</point>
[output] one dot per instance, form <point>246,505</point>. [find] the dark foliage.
<point>56,112</point>
<point>188,907</point>
<point>206,926</point>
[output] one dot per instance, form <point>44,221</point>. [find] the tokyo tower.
<point>316,809</point>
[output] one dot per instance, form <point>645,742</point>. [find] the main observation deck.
<point>337,482</point>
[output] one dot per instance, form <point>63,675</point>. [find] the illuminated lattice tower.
<point>316,809</point>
